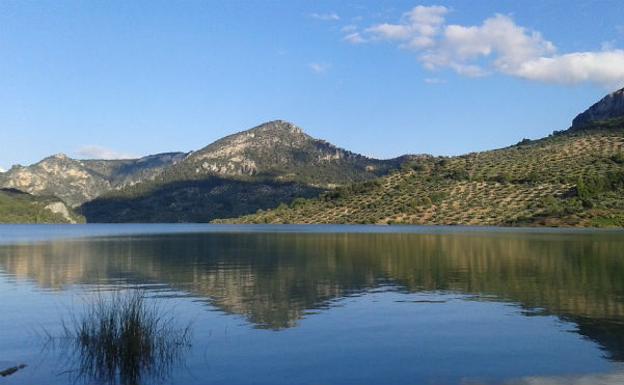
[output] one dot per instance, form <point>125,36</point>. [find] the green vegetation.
<point>122,339</point>
<point>572,178</point>
<point>20,207</point>
<point>193,200</point>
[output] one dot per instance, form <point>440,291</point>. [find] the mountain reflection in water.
<point>490,303</point>
<point>273,279</point>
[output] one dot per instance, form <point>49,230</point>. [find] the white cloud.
<point>325,16</point>
<point>354,38</point>
<point>319,68</point>
<point>497,45</point>
<point>416,29</point>
<point>2,170</point>
<point>498,38</point>
<point>604,68</point>
<point>434,81</point>
<point>99,152</point>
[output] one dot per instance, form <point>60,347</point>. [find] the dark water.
<point>331,305</point>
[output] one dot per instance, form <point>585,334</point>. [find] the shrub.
<point>618,158</point>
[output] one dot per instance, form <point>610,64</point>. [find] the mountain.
<point>609,107</point>
<point>260,168</point>
<point>571,178</point>
<point>20,207</point>
<point>77,181</point>
<point>282,151</point>
<point>276,173</point>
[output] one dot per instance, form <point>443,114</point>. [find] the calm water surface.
<point>331,304</point>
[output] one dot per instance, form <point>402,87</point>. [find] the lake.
<point>328,304</point>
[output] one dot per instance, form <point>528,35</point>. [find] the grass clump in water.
<point>122,339</point>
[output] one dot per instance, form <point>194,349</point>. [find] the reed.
<point>122,338</point>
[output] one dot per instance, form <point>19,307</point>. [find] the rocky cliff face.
<point>609,107</point>
<point>77,181</point>
<point>282,151</point>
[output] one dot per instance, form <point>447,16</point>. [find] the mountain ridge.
<point>609,107</point>
<point>272,163</point>
<point>77,181</point>
<point>571,178</point>
<point>275,149</point>
<point>563,180</point>
<point>270,172</point>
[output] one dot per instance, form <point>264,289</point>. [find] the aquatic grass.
<point>9,371</point>
<point>122,338</point>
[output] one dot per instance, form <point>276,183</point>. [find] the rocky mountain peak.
<point>609,107</point>
<point>267,136</point>
<point>276,127</point>
<point>280,150</point>
<point>58,159</point>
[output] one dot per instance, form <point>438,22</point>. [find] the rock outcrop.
<point>609,107</point>
<point>77,181</point>
<point>61,208</point>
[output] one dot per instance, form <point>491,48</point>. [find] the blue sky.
<point>383,78</point>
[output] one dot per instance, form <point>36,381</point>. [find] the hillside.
<point>77,181</point>
<point>260,168</point>
<point>282,151</point>
<point>572,178</point>
<point>276,173</point>
<point>21,207</point>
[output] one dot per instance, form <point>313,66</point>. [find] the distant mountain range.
<point>260,168</point>
<point>276,173</point>
<point>78,181</point>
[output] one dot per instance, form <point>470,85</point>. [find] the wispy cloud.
<point>497,45</point>
<point>354,38</point>
<point>332,16</point>
<point>348,28</point>
<point>99,152</point>
<point>319,68</point>
<point>434,81</point>
<point>2,169</point>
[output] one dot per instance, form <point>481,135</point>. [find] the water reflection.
<point>122,338</point>
<point>272,279</point>
<point>616,378</point>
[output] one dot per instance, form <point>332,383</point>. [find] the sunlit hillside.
<point>571,178</point>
